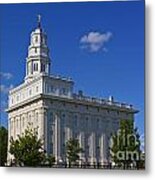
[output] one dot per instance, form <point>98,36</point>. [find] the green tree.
<point>27,149</point>
<point>50,160</point>
<point>3,145</point>
<point>125,146</point>
<point>72,150</point>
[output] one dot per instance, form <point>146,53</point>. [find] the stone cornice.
<point>23,85</point>
<point>24,103</point>
<point>55,77</point>
<point>60,78</point>
<point>40,57</point>
<point>104,106</point>
<point>114,106</point>
<point>70,100</point>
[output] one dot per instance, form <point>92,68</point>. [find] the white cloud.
<point>95,41</point>
<point>5,89</point>
<point>6,75</point>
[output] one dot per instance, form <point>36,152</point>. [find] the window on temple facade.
<point>18,98</point>
<point>36,39</point>
<point>36,117</point>
<point>37,88</point>
<point>52,89</point>
<point>35,50</point>
<point>75,121</point>
<point>30,92</point>
<point>42,67</point>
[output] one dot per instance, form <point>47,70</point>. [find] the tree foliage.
<point>27,149</point>
<point>3,145</point>
<point>72,150</point>
<point>125,147</point>
<point>50,159</point>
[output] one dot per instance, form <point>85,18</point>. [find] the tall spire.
<point>39,21</point>
<point>38,60</point>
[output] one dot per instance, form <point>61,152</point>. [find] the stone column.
<point>15,127</point>
<point>31,67</point>
<point>33,119</point>
<point>9,137</point>
<point>82,145</point>
<point>105,148</point>
<point>12,127</point>
<point>102,149</point>
<point>57,137</point>
<point>93,148</point>
<point>41,125</point>
<point>20,124</point>
<point>9,130</point>
<point>39,66</point>
<point>68,127</point>
<point>26,120</point>
<point>46,129</point>
<point>23,123</point>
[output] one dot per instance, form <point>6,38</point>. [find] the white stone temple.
<point>48,102</point>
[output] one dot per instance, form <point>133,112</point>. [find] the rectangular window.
<point>98,123</point>
<point>30,92</point>
<point>17,98</point>
<point>53,89</point>
<point>35,67</point>
<point>63,91</point>
<point>35,50</point>
<point>37,88</point>
<point>42,67</point>
<point>36,39</point>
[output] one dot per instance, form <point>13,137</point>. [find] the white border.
<point>73,174</point>
<point>31,1</point>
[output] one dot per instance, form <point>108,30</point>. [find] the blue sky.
<point>99,44</point>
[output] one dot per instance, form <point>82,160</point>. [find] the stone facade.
<point>49,104</point>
